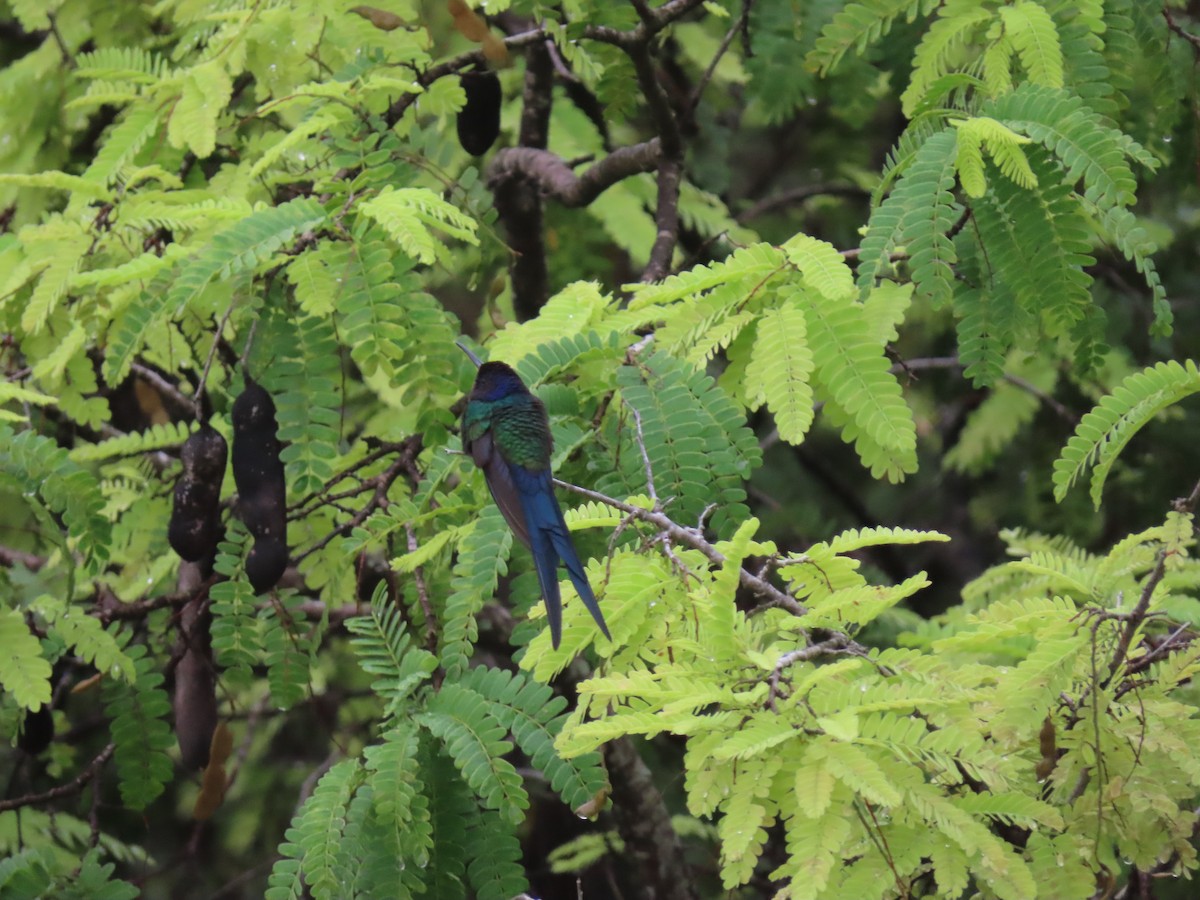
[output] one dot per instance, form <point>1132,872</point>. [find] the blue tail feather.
<point>550,541</point>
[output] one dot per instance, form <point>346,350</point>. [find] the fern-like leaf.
<point>39,468</point>
<point>860,24</point>
<point>451,807</point>
<point>139,729</point>
<point>312,844</point>
<point>919,213</point>
<point>954,26</point>
<point>306,384</point>
<point>399,801</point>
<point>369,305</point>
<point>1088,148</point>
<point>855,375</point>
<point>24,672</point>
<point>780,370</point>
<point>482,559</point>
<point>170,434</point>
<point>409,216</point>
<point>495,869</point>
<point>123,143</point>
<point>236,639</point>
<point>459,717</point>
<point>1035,38</point>
<point>384,648</point>
<point>533,715</point>
<point>699,447</point>
<point>204,95</point>
<point>1103,433</point>
<point>243,247</point>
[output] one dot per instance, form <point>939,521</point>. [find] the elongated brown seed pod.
<point>194,700</point>
<point>479,119</point>
<point>195,525</point>
<point>262,490</point>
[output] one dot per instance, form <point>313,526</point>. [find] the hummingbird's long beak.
<point>470,353</point>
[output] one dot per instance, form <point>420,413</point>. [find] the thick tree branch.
<point>670,169</point>
<point>518,202</point>
<point>644,823</point>
<point>554,178</point>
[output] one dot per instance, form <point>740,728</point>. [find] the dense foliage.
<point>868,381</point>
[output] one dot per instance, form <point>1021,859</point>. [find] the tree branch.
<point>378,500</point>
<point>10,558</point>
<point>554,178</point>
<point>670,169</point>
<point>734,29</point>
<point>70,788</point>
<point>645,825</point>
<point>1192,39</point>
<point>799,195</point>
<point>518,201</point>
<point>692,538</point>
<point>1135,618</point>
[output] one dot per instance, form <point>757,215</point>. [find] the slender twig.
<point>837,644</point>
<point>68,56</point>
<point>799,195</point>
<point>640,438</point>
<point>1030,388</point>
<point>643,11</point>
<point>69,789</point>
<point>1135,618</point>
<point>310,783</point>
<point>111,612</point>
<point>737,26</point>
<point>378,500</point>
<point>249,343</point>
<point>457,64</point>
<point>1192,39</point>
<point>162,385</point>
<point>212,352</point>
<point>952,362</point>
<point>692,538</point>
<point>318,497</point>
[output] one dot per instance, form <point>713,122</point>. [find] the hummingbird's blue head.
<point>495,381</point>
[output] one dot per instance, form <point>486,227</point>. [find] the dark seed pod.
<point>195,525</point>
<point>262,490</point>
<point>266,563</point>
<point>38,730</point>
<point>194,700</point>
<point>479,119</point>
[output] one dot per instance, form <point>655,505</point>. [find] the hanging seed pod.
<point>195,525</point>
<point>479,119</point>
<point>194,700</point>
<point>37,731</point>
<point>262,491</point>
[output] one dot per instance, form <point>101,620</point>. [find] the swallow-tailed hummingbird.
<point>506,431</point>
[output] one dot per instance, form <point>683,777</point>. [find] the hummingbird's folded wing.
<point>498,475</point>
